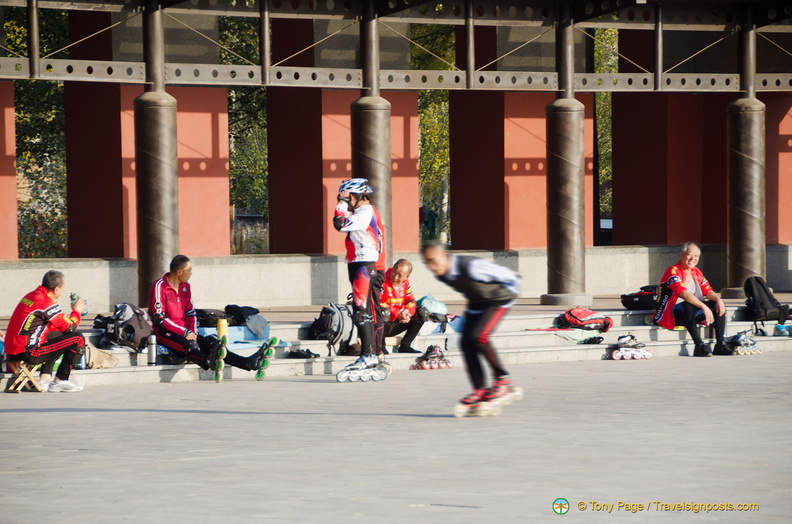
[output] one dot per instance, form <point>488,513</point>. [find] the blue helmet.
<point>356,185</point>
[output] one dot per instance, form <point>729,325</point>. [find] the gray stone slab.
<point>307,449</point>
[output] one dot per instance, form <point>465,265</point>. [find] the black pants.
<point>200,356</point>
<point>413,327</point>
<point>367,283</point>
<point>480,323</point>
<point>70,345</point>
<point>689,316</point>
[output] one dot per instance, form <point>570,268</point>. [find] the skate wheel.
<point>441,365</point>
<point>265,364</point>
<point>426,365</point>
<point>739,350</point>
<point>269,352</point>
<point>342,376</point>
<point>218,376</point>
<point>517,393</point>
<point>449,364</point>
<point>365,376</point>
<point>758,350</point>
<point>616,354</point>
<point>414,367</point>
<point>494,410</point>
<point>461,410</point>
<point>434,364</point>
<point>260,375</point>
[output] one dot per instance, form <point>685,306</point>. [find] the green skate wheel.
<point>260,374</point>
<point>265,364</point>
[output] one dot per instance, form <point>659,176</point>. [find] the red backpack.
<point>582,318</point>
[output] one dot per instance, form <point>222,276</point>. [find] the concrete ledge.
<point>296,280</point>
<point>566,299</point>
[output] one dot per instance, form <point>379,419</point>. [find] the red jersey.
<point>172,309</point>
<point>671,285</point>
<point>397,298</point>
<point>36,315</point>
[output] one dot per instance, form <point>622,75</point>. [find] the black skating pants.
<point>689,316</point>
<point>480,323</point>
<point>367,283</point>
<point>181,346</point>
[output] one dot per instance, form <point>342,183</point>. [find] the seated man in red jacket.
<point>398,298</point>
<point>686,298</point>
<point>175,322</point>
<point>39,333</point>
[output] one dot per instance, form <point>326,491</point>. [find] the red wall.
<point>8,188</point>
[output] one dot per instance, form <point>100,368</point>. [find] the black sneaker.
<point>702,350</point>
<point>722,349</point>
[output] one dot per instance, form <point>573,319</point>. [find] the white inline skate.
<point>629,348</point>
<point>743,343</point>
<point>363,369</point>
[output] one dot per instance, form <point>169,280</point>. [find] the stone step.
<point>329,366</point>
<point>515,322</point>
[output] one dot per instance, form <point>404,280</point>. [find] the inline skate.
<point>434,358</point>
<point>363,369</point>
<point>742,343</point>
<point>489,402</point>
<point>629,348</point>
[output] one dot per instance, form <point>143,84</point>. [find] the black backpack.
<point>334,325</point>
<point>127,326</point>
<point>761,303</point>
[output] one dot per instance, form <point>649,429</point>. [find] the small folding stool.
<point>22,377</point>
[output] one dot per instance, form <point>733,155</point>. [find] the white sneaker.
<point>45,385</point>
<point>64,386</point>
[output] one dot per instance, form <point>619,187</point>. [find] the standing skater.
<point>490,290</point>
<point>365,245</point>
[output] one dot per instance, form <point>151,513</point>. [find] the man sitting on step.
<point>397,297</point>
<point>686,298</point>
<point>175,322</point>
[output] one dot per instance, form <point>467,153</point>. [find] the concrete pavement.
<point>307,449</point>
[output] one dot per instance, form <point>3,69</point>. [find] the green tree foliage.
<point>247,120</point>
<point>435,51</point>
<point>40,140</point>
<point>606,60</point>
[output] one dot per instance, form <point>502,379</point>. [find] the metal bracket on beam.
<point>768,13</point>
<point>587,10</point>
<point>389,7</point>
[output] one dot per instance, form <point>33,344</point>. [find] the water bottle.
<point>73,297</point>
<point>152,350</point>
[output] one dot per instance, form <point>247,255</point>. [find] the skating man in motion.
<point>365,256</point>
<point>491,290</point>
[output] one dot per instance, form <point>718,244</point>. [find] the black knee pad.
<point>193,349</point>
<point>360,317</point>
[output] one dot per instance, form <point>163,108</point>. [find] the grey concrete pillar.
<point>746,239</point>
<point>566,220</point>
<point>155,162</point>
<point>371,154</point>
<point>370,115</point>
